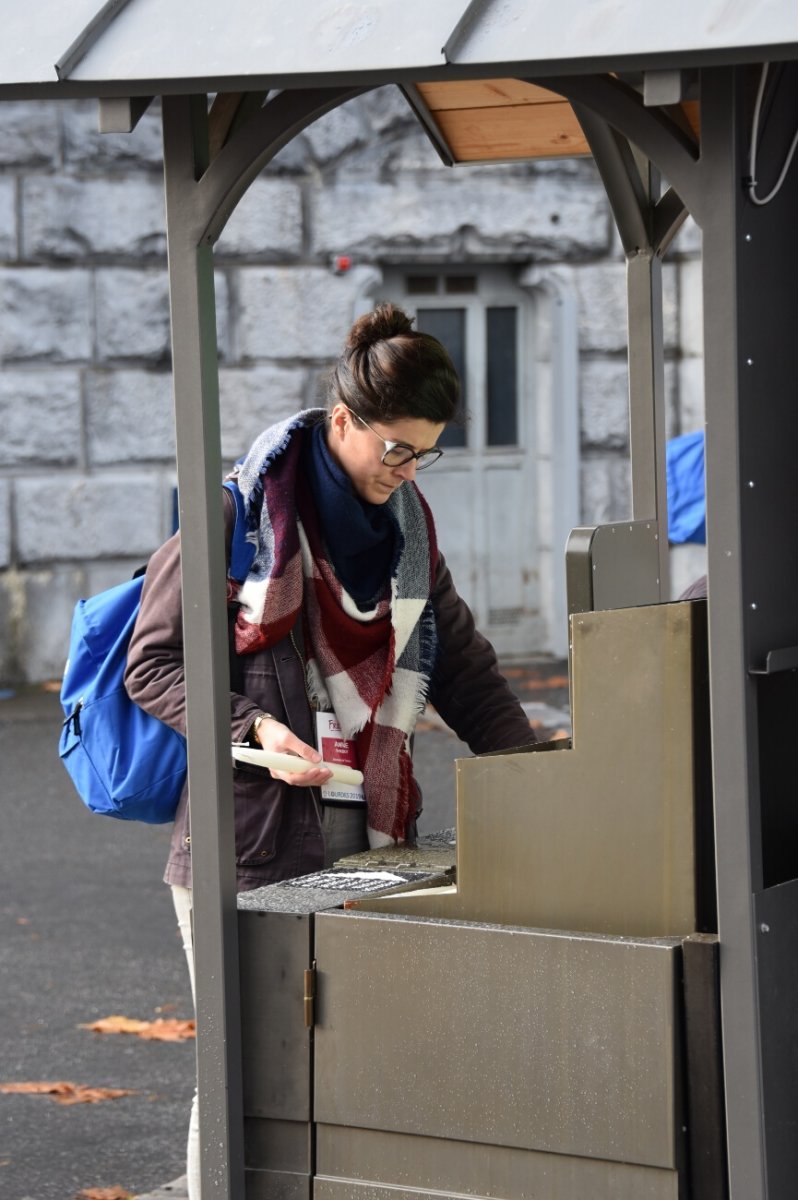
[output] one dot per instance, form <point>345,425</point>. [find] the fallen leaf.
<point>163,1029</point>
<point>109,1193</point>
<point>66,1093</point>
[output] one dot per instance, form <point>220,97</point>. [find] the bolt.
<point>763,928</point>
<point>749,362</point>
<point>751,483</point>
<point>753,606</point>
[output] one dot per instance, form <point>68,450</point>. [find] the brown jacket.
<point>278,828</point>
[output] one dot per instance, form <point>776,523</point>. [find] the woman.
<point>348,609</point>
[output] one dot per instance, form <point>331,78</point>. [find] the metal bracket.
<point>776,661</point>
<point>121,114</point>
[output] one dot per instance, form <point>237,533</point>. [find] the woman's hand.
<point>273,735</point>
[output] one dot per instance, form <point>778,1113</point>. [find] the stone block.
<point>266,224</point>
<point>221,288</point>
<point>385,108</point>
<point>10,670</point>
<point>601,292</point>
<point>691,395</point>
<point>606,489</point>
<point>85,146</point>
<point>672,421</point>
<point>8,219</point>
<point>449,213</point>
<point>129,417</point>
<point>688,562</point>
<point>5,523</point>
<point>45,314</point>
<point>335,133</point>
<point>395,154</point>
<point>99,576</point>
<point>68,218</point>
<point>39,417</point>
<point>691,308</point>
<point>29,133</point>
<point>293,159</point>
<point>50,598</point>
<point>251,400</point>
<point>133,314</point>
<point>604,403</point>
<point>687,242</point>
<point>301,312</point>
<point>603,307</point>
<point>102,516</point>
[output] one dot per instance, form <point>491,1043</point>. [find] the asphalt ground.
<point>89,932</point>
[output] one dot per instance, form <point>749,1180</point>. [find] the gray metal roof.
<point>504,31</point>
<point>149,45</point>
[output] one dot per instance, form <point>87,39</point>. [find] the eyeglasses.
<point>397,453</point>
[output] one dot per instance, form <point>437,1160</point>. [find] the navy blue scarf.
<point>360,537</point>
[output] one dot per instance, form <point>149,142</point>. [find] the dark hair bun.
<point>384,322</point>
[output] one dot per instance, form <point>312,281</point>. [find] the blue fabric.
<point>360,536</point>
<point>684,461</point>
<point>123,762</point>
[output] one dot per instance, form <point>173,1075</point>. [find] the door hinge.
<point>309,998</point>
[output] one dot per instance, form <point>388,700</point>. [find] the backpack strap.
<point>242,551</point>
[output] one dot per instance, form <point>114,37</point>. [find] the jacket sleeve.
<point>155,676</point>
<point>467,688</point>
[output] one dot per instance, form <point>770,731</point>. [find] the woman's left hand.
<point>273,735</point>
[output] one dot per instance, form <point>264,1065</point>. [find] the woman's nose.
<point>407,470</point>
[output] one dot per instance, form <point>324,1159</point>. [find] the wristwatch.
<point>252,736</point>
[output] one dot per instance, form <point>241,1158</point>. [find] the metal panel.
<point>776,913</point>
<point>751,358</point>
<point>593,30</point>
<point>34,37</point>
<point>703,1067</point>
<point>612,566</point>
<point>599,837</point>
<point>279,1156</point>
<point>199,38</point>
<point>266,1185</point>
<point>513,1037</point>
<point>275,950</point>
<point>366,1164</point>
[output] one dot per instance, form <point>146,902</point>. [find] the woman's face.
<point>358,450</point>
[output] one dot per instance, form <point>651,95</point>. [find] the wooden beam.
<point>483,93</point>
<point>512,132</point>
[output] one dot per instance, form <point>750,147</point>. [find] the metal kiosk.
<point>567,967</point>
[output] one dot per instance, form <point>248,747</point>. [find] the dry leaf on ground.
<point>66,1093</point>
<point>168,1029</point>
<point>109,1193</point>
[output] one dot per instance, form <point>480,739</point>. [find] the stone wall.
<point>87,446</point>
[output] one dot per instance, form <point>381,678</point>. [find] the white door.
<point>482,491</point>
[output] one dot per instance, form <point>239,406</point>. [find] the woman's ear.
<point>339,421</point>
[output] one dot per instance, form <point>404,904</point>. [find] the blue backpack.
<point>123,762</point>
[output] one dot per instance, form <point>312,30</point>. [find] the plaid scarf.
<point>371,668</point>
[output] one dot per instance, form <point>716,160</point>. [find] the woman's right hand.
<point>273,735</point>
